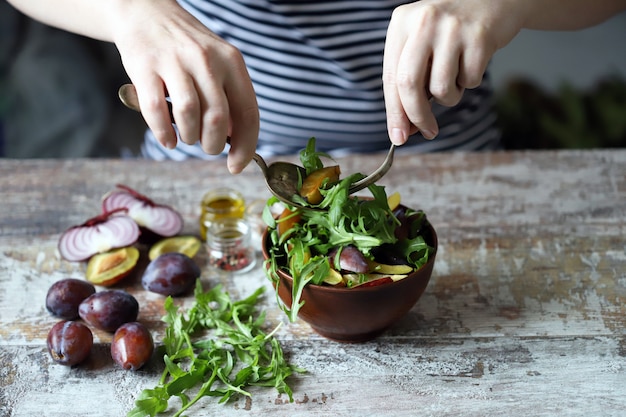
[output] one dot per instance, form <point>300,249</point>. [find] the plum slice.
<point>350,259</point>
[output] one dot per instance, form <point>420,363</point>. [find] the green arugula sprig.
<point>311,158</point>
<point>216,349</point>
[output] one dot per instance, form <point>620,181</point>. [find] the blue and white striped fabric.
<point>316,67</point>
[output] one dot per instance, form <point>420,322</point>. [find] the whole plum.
<point>107,310</point>
<point>132,346</point>
<point>171,273</point>
<point>69,342</point>
<point>64,297</point>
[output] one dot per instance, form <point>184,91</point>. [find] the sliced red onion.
<point>158,218</point>
<point>100,234</point>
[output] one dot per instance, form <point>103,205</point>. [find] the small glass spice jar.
<point>229,245</point>
<point>218,204</point>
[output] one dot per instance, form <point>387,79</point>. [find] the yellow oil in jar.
<point>219,204</point>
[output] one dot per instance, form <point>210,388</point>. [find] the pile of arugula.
<point>216,349</point>
<point>364,223</point>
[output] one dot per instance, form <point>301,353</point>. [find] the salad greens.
<point>367,224</point>
<point>234,354</point>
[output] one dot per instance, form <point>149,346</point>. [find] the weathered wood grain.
<point>525,313</point>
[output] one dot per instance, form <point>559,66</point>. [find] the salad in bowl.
<point>364,254</point>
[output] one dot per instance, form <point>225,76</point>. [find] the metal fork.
<point>376,175</point>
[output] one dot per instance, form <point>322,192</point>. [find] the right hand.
<point>434,50</point>
<point>168,52</point>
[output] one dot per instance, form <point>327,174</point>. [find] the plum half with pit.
<point>171,273</point>
<point>111,267</point>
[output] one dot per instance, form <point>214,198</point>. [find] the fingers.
<point>151,95</point>
<point>244,114</point>
<point>473,64</point>
<point>406,65</point>
<point>413,74</point>
<point>434,50</point>
<point>398,123</point>
<point>204,77</point>
<point>186,108</point>
<point>208,109</point>
<point>443,83</point>
<point>214,118</point>
<point>229,110</point>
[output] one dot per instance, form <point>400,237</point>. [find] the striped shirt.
<point>316,67</point>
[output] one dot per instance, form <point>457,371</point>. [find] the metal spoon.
<point>282,178</point>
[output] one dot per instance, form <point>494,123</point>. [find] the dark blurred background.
<point>552,90</point>
<point>59,91</point>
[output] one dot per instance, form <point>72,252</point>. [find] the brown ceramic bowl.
<point>357,314</point>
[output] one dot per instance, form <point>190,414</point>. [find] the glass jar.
<point>229,245</point>
<point>218,204</point>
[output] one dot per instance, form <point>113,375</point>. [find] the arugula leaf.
<point>235,354</point>
<point>310,158</point>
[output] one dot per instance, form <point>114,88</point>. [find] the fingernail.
<point>235,168</point>
<point>429,134</point>
<point>398,137</point>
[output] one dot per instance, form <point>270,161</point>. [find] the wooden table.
<point>524,315</point>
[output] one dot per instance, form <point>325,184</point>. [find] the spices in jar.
<point>229,245</point>
<point>218,204</point>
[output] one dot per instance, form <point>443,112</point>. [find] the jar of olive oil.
<point>218,204</point>
<point>229,245</point>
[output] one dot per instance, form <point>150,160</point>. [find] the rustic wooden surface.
<point>524,315</point>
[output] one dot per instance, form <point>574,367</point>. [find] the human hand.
<point>435,49</point>
<point>167,52</point>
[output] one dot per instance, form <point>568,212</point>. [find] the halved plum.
<point>109,268</point>
<point>187,245</point>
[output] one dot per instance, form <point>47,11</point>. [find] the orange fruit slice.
<point>311,185</point>
<point>286,220</point>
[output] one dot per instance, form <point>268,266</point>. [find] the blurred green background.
<point>532,117</point>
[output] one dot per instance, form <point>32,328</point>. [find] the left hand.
<point>436,49</point>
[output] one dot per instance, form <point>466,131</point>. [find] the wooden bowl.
<point>357,314</point>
